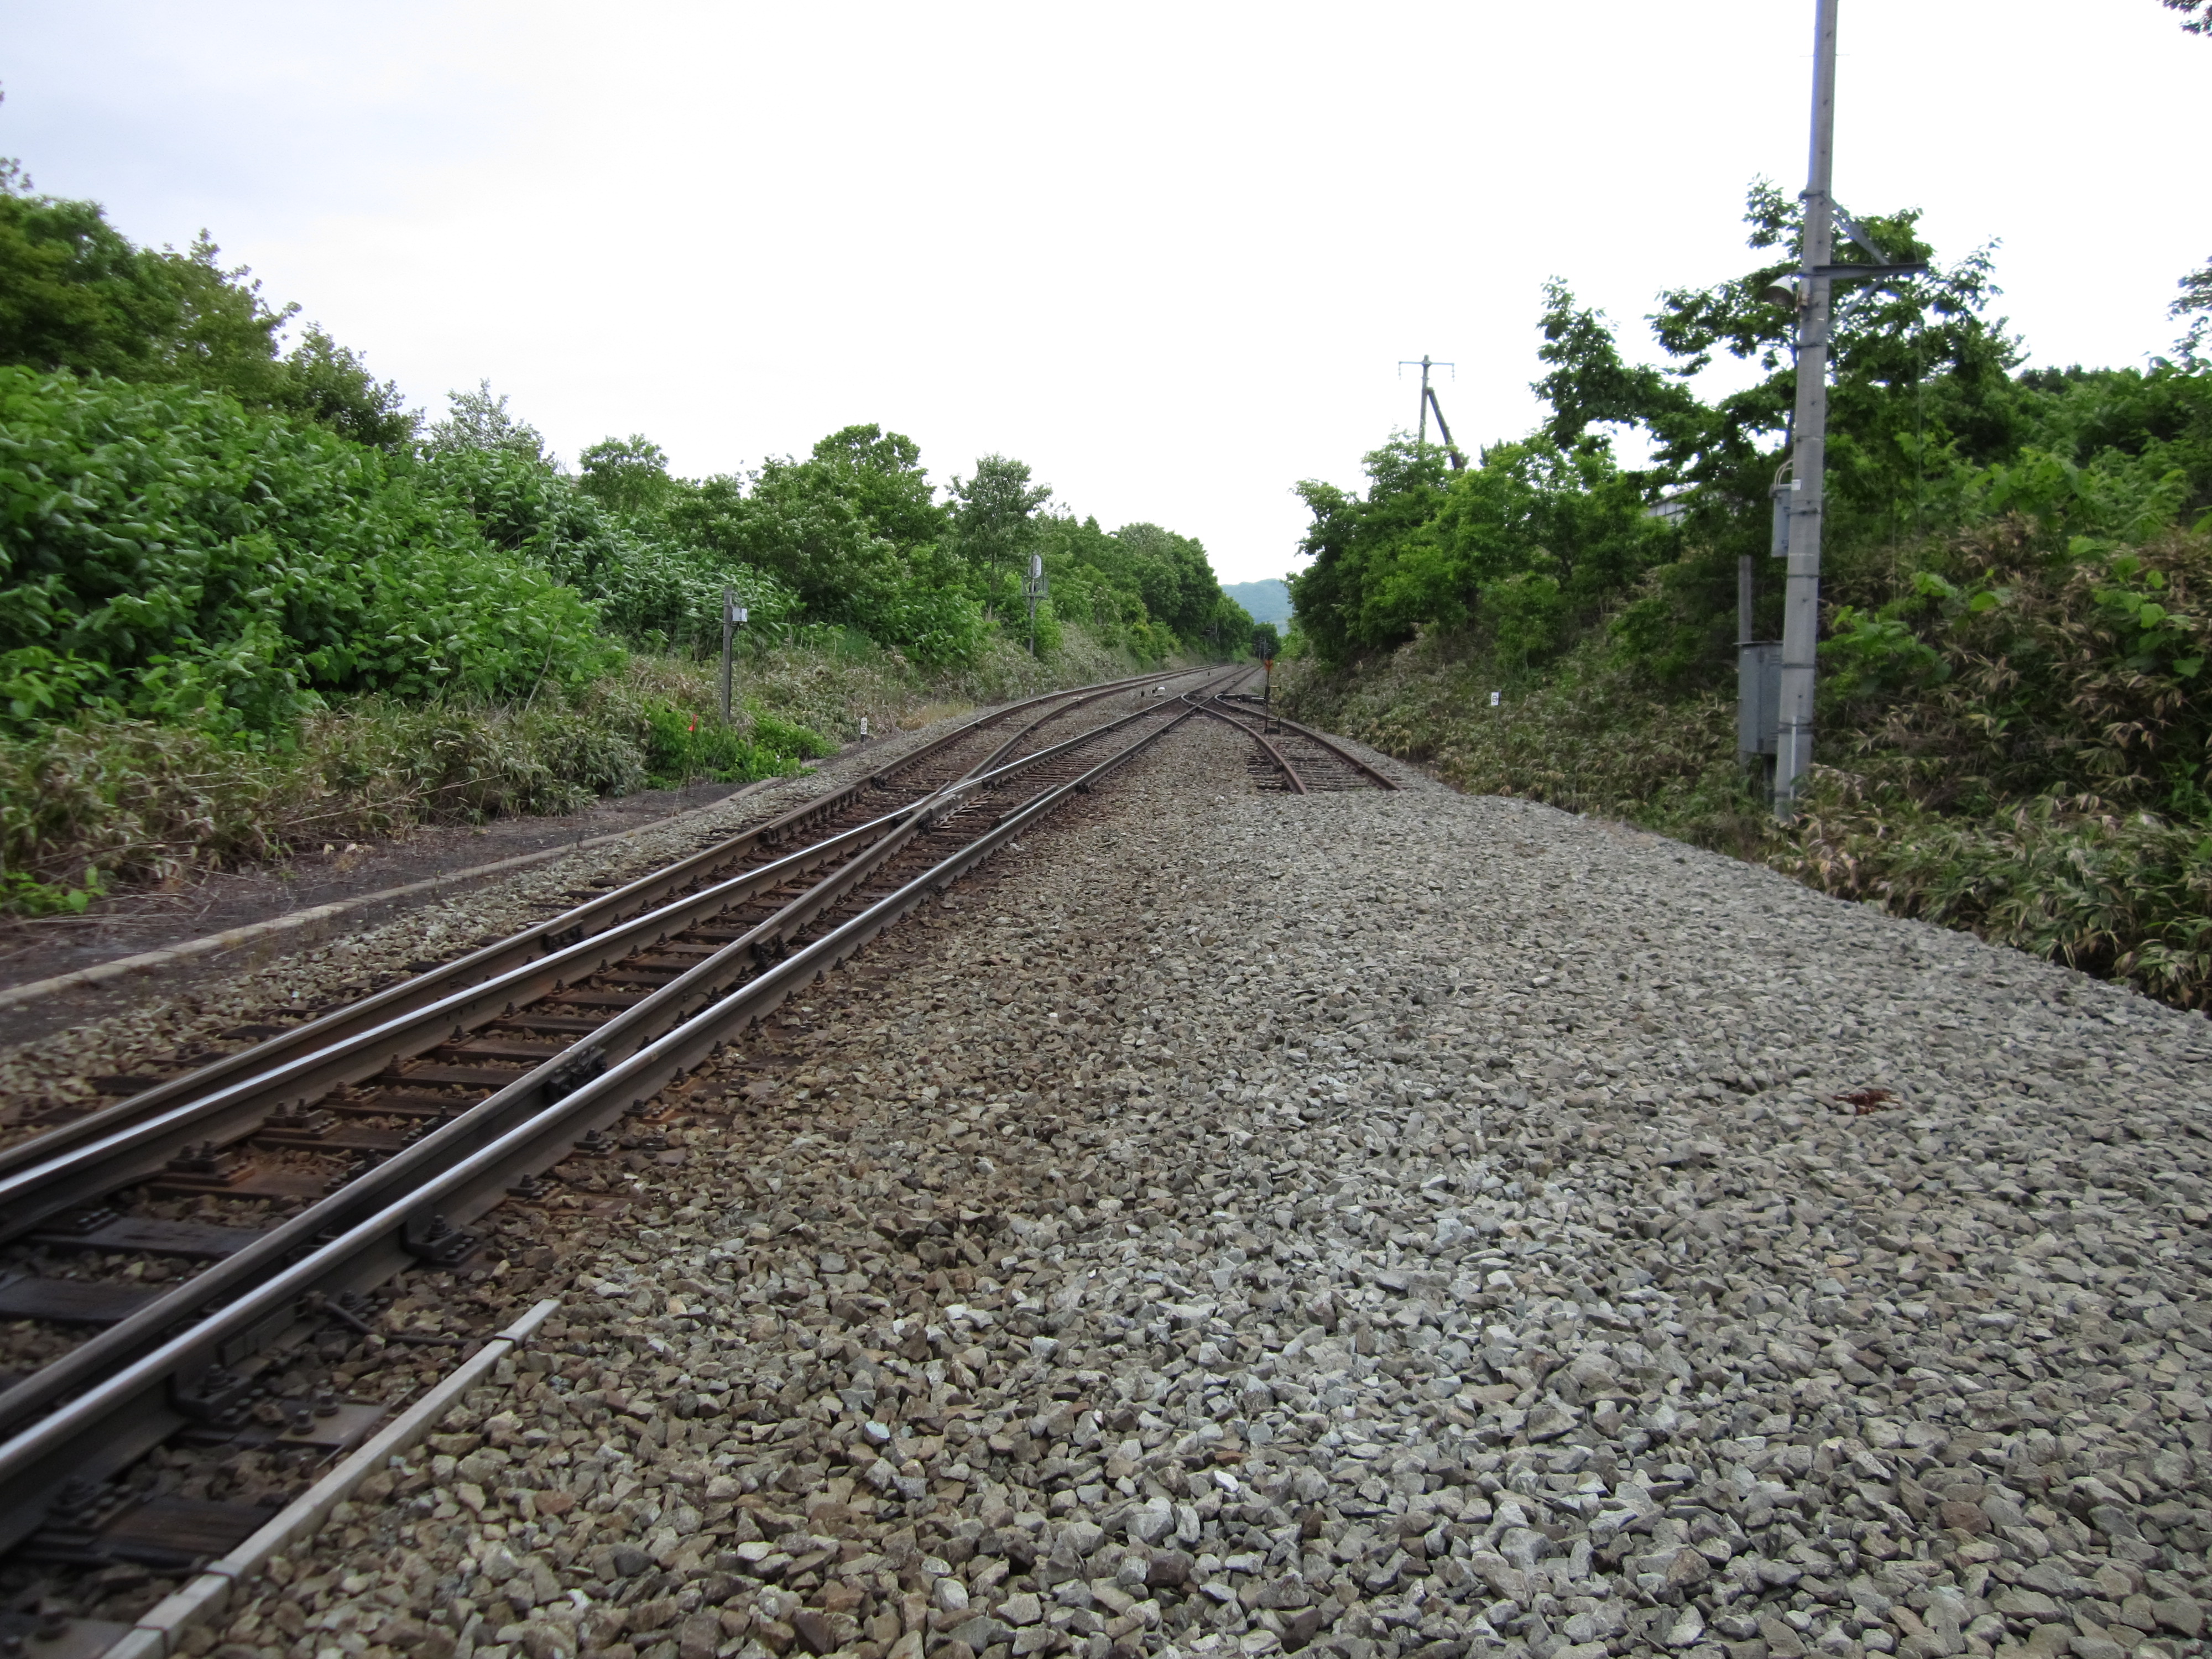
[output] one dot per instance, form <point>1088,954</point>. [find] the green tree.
<point>995,521</point>
<point>1522,546</point>
<point>2195,304</point>
<point>2196,15</point>
<point>481,421</point>
<point>329,383</point>
<point>625,474</point>
<point>1923,394</point>
<point>75,294</point>
<point>854,531</point>
<point>1354,538</point>
<point>881,472</point>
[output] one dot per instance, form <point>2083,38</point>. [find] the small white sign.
<point>1493,699</point>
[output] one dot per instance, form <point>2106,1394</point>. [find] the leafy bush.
<point>245,601</point>
<point>683,745</point>
<point>2017,573</point>
<point>788,737</point>
<point>2121,895</point>
<point>164,554</point>
<point>91,804</point>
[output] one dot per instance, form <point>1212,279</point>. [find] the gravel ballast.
<point>1371,1225</point>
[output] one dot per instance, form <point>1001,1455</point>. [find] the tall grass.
<point>92,806</point>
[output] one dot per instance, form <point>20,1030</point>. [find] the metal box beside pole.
<point>1758,697</point>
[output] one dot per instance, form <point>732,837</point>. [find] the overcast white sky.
<point>1167,254</point>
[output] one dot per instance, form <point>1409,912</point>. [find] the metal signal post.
<point>1265,644</point>
<point>1033,589</point>
<point>733,619</point>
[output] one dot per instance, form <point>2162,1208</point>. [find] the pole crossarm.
<point>1846,273</point>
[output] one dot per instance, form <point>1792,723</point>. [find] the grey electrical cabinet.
<point>1758,696</point>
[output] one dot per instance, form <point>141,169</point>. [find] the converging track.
<point>1293,757</point>
<point>394,1122</point>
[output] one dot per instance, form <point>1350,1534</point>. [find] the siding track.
<point>1292,757</point>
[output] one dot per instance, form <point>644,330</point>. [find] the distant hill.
<point>1268,601</point>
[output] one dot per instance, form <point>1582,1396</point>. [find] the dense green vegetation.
<point>247,596</point>
<point>2015,710</point>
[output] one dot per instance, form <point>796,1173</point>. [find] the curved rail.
<point>1282,760</point>
<point>1321,741</point>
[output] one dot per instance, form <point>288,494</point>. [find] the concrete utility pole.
<point>1427,396</point>
<point>1801,601</point>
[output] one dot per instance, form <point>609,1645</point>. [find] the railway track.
<point>134,1098</point>
<point>389,1127</point>
<point>1293,757</point>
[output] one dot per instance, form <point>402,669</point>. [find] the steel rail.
<point>1108,691</point>
<point>587,920</point>
<point>1282,760</point>
<point>91,1169</point>
<point>132,1408</point>
<point>1380,779</point>
<point>627,1030</point>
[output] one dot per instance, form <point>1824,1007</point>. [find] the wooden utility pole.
<point>1428,397</point>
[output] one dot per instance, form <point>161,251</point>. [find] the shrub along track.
<point>554,1040</point>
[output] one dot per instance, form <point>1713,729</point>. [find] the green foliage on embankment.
<point>2015,711</point>
<point>248,601</point>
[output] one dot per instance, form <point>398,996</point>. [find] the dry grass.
<point>929,713</point>
<point>91,807</point>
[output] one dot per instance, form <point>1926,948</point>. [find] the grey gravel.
<point>1377,1225</point>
